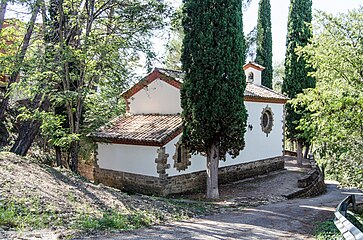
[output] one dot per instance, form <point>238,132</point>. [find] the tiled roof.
<point>150,129</point>
<point>253,65</point>
<point>177,75</point>
<point>261,92</point>
<point>175,78</point>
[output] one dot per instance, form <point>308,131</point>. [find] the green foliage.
<point>25,214</point>
<point>264,42</point>
<point>80,60</point>
<point>327,231</point>
<point>335,119</point>
<point>116,220</point>
<point>297,71</point>
<point>213,88</point>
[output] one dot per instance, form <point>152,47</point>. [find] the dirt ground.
<point>264,189</point>
<point>272,217</point>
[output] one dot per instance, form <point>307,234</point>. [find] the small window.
<point>181,157</point>
<point>267,120</point>
<point>251,77</point>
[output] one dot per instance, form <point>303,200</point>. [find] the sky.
<point>279,14</point>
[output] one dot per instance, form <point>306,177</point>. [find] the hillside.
<point>37,201</point>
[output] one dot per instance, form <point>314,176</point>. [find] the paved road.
<point>292,219</point>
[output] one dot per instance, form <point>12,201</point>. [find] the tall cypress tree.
<point>264,42</point>
<point>214,114</point>
<point>296,68</point>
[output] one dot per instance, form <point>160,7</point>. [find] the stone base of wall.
<point>184,183</point>
<point>86,170</point>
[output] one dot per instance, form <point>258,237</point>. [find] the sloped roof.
<point>263,94</point>
<point>174,78</point>
<point>253,93</point>
<point>148,129</point>
<point>253,65</point>
<point>177,75</point>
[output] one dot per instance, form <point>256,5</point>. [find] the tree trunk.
<point>3,4</point>
<point>299,152</point>
<point>58,156</point>
<point>4,134</point>
<point>29,130</point>
<point>212,171</point>
<point>292,144</point>
<point>20,58</point>
<point>27,133</point>
<point>307,148</point>
<point>74,156</point>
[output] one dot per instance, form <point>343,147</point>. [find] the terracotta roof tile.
<point>150,129</point>
<point>255,91</point>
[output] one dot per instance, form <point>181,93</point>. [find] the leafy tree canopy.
<point>335,119</point>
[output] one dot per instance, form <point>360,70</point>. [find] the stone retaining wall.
<point>183,183</point>
<point>312,184</point>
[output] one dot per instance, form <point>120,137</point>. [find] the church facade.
<point>142,151</point>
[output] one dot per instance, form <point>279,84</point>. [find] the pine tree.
<point>214,114</point>
<point>296,69</point>
<point>264,42</point>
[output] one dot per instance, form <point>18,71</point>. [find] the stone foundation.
<point>191,182</point>
<point>86,170</point>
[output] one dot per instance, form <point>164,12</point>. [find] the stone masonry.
<point>185,183</point>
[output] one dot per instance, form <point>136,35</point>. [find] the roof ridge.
<point>167,69</point>
<point>156,114</point>
<point>269,89</point>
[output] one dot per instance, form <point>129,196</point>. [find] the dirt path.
<point>290,219</point>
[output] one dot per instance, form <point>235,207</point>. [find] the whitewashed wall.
<point>128,158</point>
<point>258,145</point>
<point>141,159</point>
<point>159,97</point>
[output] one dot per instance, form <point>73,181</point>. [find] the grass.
<point>327,231</point>
<point>17,215</point>
<point>28,213</point>
<point>115,220</point>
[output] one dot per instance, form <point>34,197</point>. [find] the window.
<point>267,120</point>
<point>250,77</point>
<point>181,157</point>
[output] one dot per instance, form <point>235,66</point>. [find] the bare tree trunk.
<point>307,148</point>
<point>27,133</point>
<point>74,156</point>
<point>76,121</point>
<point>29,130</point>
<point>212,171</point>
<point>4,134</point>
<point>20,58</point>
<point>3,4</point>
<point>58,156</point>
<point>299,152</point>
